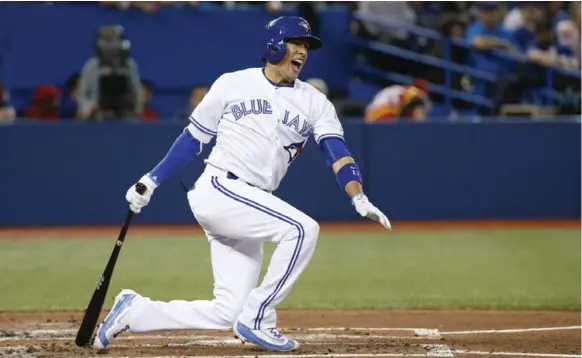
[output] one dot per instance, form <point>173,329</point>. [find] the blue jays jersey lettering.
<point>253,106</point>
<point>260,128</point>
<point>262,106</point>
<point>297,123</point>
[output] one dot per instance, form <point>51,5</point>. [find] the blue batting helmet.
<point>283,29</point>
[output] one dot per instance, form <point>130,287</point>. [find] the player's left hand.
<point>366,209</point>
<point>136,200</point>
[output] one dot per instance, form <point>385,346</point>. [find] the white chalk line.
<point>237,342</point>
<point>65,334</point>
<point>357,329</point>
<point>208,337</point>
<point>417,331</point>
<point>517,330</point>
<point>290,329</point>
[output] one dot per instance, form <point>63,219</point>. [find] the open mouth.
<point>296,65</point>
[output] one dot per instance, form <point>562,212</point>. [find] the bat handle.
<point>140,188</point>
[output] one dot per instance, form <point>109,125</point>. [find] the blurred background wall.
<point>464,110</point>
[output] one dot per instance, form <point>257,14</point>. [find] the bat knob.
<point>140,188</point>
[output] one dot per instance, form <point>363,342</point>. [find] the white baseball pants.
<point>237,219</point>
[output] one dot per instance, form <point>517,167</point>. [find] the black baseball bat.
<point>93,310</point>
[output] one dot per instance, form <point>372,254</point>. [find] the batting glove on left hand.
<point>366,209</point>
<point>136,200</point>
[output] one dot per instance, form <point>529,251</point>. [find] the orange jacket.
<point>388,104</point>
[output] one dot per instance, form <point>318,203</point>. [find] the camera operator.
<point>110,81</point>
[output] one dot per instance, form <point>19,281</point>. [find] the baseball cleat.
<point>269,338</point>
<point>116,321</point>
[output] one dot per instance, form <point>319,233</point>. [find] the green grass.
<point>486,269</point>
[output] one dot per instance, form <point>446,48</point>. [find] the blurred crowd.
<point>546,33</point>
<point>109,85</point>
<point>50,103</point>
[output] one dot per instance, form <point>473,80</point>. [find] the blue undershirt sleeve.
<point>334,148</point>
<point>185,147</point>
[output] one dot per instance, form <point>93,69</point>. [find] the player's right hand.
<point>136,200</point>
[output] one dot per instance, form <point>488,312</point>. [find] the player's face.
<point>295,59</point>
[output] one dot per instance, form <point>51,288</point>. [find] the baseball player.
<point>262,119</point>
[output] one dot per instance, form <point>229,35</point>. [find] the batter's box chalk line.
<point>64,334</point>
<point>197,338</point>
<point>517,330</point>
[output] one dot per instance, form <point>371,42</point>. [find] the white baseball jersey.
<point>260,127</point>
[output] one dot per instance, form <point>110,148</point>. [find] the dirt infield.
<point>321,334</point>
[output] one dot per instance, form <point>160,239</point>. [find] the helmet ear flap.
<point>275,52</point>
<point>273,48</point>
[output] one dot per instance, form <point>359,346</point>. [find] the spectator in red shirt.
<point>45,104</point>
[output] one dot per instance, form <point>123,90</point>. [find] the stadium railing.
<point>548,92</point>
